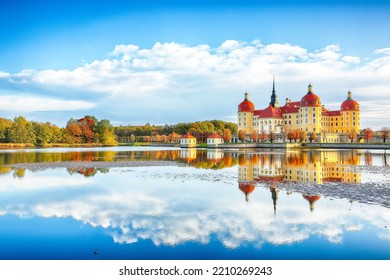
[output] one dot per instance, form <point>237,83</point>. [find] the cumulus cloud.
<point>168,76</point>
<point>156,212</point>
<point>22,104</point>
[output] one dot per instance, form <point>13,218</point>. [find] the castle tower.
<point>245,115</point>
<point>350,113</point>
<point>310,112</point>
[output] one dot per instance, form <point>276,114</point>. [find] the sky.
<point>165,62</point>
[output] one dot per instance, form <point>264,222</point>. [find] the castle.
<point>306,115</point>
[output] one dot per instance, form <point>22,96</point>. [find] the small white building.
<point>214,140</point>
<point>187,141</point>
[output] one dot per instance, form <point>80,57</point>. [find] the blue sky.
<point>126,60</point>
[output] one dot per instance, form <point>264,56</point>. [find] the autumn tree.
<point>254,136</point>
<point>104,132</point>
<point>227,135</point>
<point>43,132</point>
<point>263,136</point>
<point>75,132</point>
<point>293,135</point>
<point>242,135</point>
<point>86,125</point>
<point>302,136</point>
<point>21,131</point>
<point>352,135</point>
<point>367,134</point>
<point>271,136</point>
<point>5,125</point>
<point>384,133</point>
<point>312,137</point>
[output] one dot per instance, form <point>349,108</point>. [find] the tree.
<point>352,135</point>
<point>5,125</point>
<point>291,135</point>
<point>242,135</point>
<point>105,132</point>
<point>367,134</point>
<point>271,136</point>
<point>263,136</point>
<point>254,136</point>
<point>43,132</point>
<point>302,136</point>
<point>75,132</point>
<point>384,133</point>
<point>227,135</point>
<point>312,137</point>
<point>87,127</point>
<point>21,131</point>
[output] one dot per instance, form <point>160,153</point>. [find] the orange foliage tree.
<point>254,136</point>
<point>367,134</point>
<point>352,135</point>
<point>227,135</point>
<point>242,135</point>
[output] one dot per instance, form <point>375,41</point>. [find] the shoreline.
<point>37,166</point>
<point>303,146</point>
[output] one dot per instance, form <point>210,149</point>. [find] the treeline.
<point>163,133</point>
<point>89,130</point>
<point>85,130</point>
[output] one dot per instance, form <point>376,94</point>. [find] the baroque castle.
<point>306,115</point>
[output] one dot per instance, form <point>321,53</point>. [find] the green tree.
<point>21,131</point>
<point>5,125</point>
<point>43,133</point>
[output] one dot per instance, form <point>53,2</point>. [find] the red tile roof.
<point>246,106</point>
<point>331,113</point>
<point>291,107</point>
<point>350,105</point>
<point>187,136</point>
<point>310,100</point>
<point>269,112</point>
<point>215,135</point>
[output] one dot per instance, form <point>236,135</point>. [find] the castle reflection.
<point>308,167</point>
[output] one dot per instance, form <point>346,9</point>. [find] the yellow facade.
<point>307,115</point>
<point>312,167</point>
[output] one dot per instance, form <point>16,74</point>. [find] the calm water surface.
<point>147,203</point>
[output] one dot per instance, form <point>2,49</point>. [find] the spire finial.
<point>310,88</point>
<point>349,94</point>
<point>273,84</point>
<point>274,99</point>
<point>246,95</point>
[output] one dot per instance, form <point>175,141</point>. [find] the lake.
<point>166,203</point>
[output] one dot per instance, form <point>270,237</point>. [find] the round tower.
<point>245,115</point>
<point>310,112</point>
<point>350,114</point>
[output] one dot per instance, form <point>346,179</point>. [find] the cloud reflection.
<point>202,211</point>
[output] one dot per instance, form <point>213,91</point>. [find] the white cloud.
<point>385,51</point>
<point>22,104</point>
<point>162,213</point>
<point>164,78</point>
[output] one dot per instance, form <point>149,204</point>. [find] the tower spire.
<point>274,98</point>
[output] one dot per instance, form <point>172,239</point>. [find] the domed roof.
<point>246,105</point>
<point>350,104</point>
<point>247,188</point>
<point>310,99</point>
